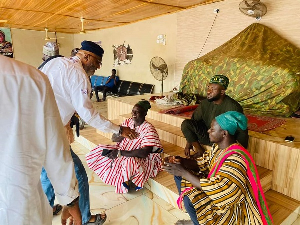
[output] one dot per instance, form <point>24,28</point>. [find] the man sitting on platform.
<point>216,103</point>
<point>108,86</point>
<point>130,162</point>
<point>223,186</point>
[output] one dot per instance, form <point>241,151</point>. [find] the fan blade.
<point>247,4</point>
<point>246,9</point>
<point>162,67</point>
<point>155,67</point>
<point>254,7</point>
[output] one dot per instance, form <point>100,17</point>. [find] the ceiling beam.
<point>64,15</point>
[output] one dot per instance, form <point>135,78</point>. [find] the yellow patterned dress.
<point>227,197</point>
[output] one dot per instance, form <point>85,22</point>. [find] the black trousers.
<point>103,89</point>
<point>195,131</point>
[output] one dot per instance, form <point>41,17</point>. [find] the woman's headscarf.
<point>144,104</point>
<point>231,120</point>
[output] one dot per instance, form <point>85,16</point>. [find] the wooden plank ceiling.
<point>64,15</point>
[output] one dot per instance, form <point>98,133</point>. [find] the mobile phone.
<point>289,139</point>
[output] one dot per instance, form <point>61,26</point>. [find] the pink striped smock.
<point>116,172</point>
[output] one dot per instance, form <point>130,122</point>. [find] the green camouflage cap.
<point>220,79</point>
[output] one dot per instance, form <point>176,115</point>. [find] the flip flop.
<point>57,210</point>
<point>98,221</point>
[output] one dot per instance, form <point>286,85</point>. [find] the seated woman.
<point>129,160</point>
<point>223,186</point>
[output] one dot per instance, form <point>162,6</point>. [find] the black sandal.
<point>98,221</point>
<point>57,210</point>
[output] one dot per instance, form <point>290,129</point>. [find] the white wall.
<point>141,37</point>
<point>28,45</point>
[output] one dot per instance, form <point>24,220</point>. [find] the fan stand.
<point>162,84</point>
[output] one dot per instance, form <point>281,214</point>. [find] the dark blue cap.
<point>92,47</point>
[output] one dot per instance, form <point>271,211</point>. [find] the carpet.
<point>255,123</point>
<point>179,110</point>
<point>263,123</point>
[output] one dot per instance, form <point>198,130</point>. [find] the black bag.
<point>105,152</point>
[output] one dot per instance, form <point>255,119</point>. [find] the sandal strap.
<point>98,220</point>
<point>58,208</point>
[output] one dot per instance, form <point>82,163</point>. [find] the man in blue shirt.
<point>108,86</point>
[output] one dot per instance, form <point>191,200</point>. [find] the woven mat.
<point>263,123</point>
<point>255,123</point>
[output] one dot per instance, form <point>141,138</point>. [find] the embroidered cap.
<point>92,47</point>
<point>231,120</point>
<point>220,79</point>
<point>51,49</point>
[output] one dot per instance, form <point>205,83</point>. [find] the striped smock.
<point>120,170</point>
<point>227,198</point>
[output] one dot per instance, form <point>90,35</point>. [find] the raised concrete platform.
<point>268,149</point>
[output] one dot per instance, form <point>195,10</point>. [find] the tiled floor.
<point>134,208</point>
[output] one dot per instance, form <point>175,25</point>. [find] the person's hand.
<point>187,150</point>
<point>72,213</point>
<point>175,169</point>
<point>129,133</point>
<point>196,155</point>
<point>172,159</point>
<point>113,154</point>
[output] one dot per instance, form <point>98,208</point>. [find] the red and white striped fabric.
<point>116,172</point>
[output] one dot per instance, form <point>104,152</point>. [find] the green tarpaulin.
<point>263,68</point>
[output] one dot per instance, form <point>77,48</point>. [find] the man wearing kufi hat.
<point>216,103</point>
<point>50,51</point>
<point>223,186</point>
<point>69,78</point>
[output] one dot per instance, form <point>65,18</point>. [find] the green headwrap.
<point>220,79</point>
<point>231,120</point>
<point>144,104</point>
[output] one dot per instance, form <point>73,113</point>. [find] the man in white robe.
<point>71,86</point>
<point>31,137</point>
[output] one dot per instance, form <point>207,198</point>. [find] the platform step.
<point>165,131</point>
<point>89,138</point>
<point>283,209</point>
<point>108,135</point>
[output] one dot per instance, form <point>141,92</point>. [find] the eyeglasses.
<point>98,60</point>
